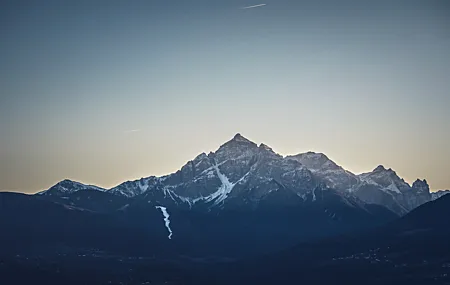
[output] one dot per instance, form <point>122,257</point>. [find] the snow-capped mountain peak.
<point>67,186</point>
<point>315,161</point>
<point>239,168</point>
<point>384,186</point>
<point>386,178</point>
<point>333,175</point>
<point>241,172</point>
<point>237,147</point>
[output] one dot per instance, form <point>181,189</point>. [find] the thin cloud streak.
<point>254,6</point>
<point>132,131</point>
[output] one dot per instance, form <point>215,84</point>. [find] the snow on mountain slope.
<point>166,220</point>
<point>381,186</point>
<point>387,179</point>
<point>242,173</point>
<point>384,187</point>
<point>67,186</point>
<point>222,193</point>
<point>334,175</point>
<point>439,194</point>
<point>239,171</point>
<point>137,187</point>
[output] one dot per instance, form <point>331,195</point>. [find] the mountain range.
<point>242,207</point>
<point>242,173</point>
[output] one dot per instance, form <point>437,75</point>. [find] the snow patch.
<point>222,193</point>
<point>212,168</point>
<point>392,187</point>
<point>144,186</point>
<point>219,196</point>
<point>163,178</point>
<point>166,219</point>
<point>124,207</point>
<point>303,196</point>
<point>210,174</point>
<point>314,194</point>
<point>243,178</point>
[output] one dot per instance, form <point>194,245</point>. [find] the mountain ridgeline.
<point>243,175</point>
<point>240,200</point>
<point>219,214</point>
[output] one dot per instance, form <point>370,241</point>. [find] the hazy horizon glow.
<point>107,91</point>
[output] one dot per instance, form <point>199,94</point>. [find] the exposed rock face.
<point>67,186</point>
<point>384,187</point>
<point>238,173</point>
<point>439,194</point>
<point>332,174</point>
<point>381,186</point>
<point>242,173</point>
<point>419,194</point>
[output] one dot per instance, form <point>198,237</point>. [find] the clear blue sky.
<point>106,91</point>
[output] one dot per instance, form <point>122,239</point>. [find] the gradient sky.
<point>107,91</point>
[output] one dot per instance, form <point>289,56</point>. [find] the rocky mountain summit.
<point>439,194</point>
<point>240,200</point>
<point>243,174</point>
<point>67,186</point>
